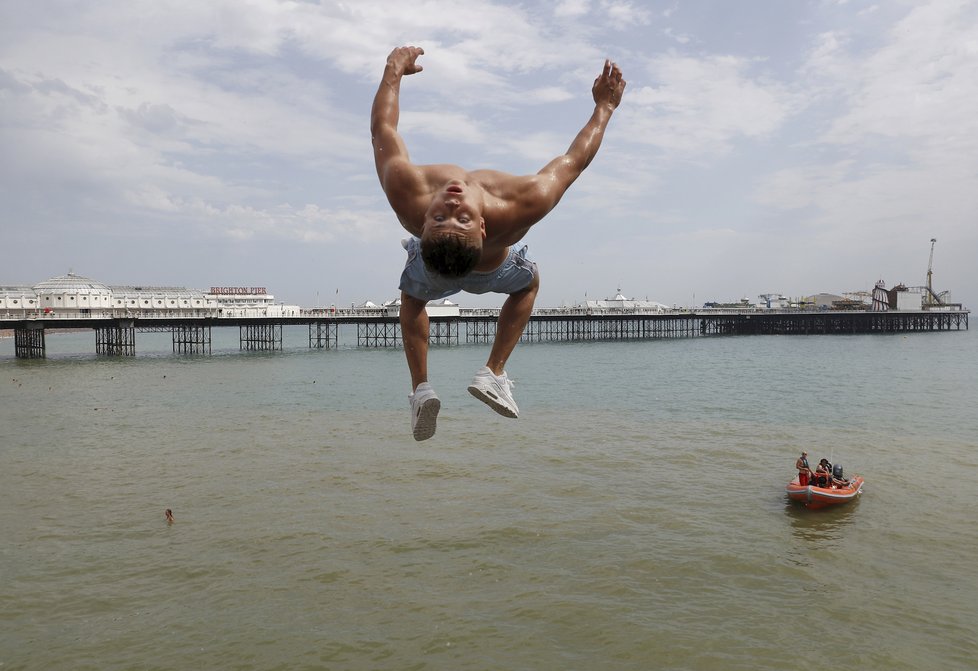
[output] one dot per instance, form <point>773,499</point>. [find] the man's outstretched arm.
<point>389,147</point>
<point>561,172</point>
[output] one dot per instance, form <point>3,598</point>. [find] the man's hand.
<point>608,86</point>
<point>402,61</point>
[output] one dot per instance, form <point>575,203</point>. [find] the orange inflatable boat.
<point>815,497</point>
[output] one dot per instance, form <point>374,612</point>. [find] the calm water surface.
<point>634,517</point>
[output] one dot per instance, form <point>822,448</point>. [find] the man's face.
<point>455,210</point>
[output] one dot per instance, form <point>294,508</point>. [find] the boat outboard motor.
<point>837,472</point>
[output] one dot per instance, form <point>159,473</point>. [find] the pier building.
<point>620,303</point>
<point>74,296</point>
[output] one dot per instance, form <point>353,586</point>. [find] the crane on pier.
<point>930,297</point>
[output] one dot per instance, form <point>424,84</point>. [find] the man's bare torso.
<point>506,203</point>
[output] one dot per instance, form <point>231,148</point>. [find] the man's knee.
<point>411,310</point>
<point>532,288</point>
<point>411,303</point>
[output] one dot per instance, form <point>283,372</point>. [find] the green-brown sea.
<point>633,517</point>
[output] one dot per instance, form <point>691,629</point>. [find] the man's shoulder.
<point>519,195</point>
<point>399,172</point>
<point>497,179</point>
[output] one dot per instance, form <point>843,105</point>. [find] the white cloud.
<point>922,83</point>
<point>571,8</point>
<point>308,224</point>
<point>902,120</point>
<point>625,13</point>
<point>445,126</point>
<point>701,106</point>
<point>548,94</point>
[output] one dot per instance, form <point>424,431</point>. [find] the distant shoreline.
<point>9,333</point>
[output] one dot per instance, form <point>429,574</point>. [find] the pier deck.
<point>380,328</point>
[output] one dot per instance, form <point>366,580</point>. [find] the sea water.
<point>633,517</point>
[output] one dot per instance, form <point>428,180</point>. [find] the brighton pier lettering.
<point>238,291</point>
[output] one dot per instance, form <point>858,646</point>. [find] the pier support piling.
<point>29,342</point>
<point>191,339</point>
<point>480,330</point>
<point>443,333</point>
<point>323,335</point>
<point>118,339</point>
<point>260,337</point>
<point>386,333</point>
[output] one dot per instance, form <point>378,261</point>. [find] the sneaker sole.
<point>493,402</point>
<point>424,428</point>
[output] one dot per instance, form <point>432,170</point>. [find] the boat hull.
<point>822,497</point>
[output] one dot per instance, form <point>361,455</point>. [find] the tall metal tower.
<point>931,297</point>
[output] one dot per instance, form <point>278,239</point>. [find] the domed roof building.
<point>71,284</point>
<point>72,294</point>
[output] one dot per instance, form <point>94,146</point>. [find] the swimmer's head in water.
<point>451,240</point>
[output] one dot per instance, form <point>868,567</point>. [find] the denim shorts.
<point>514,274</point>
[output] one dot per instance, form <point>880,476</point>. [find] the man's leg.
<point>491,385</point>
<point>513,318</point>
<point>414,333</point>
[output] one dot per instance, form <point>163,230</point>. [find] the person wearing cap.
<point>804,470</point>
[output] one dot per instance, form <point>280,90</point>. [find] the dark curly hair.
<point>450,256</point>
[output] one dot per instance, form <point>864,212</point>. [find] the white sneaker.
<point>424,411</point>
<point>495,391</point>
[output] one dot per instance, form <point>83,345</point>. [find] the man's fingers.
<point>610,71</point>
<point>415,52</point>
<point>404,58</point>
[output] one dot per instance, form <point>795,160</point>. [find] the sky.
<point>761,146</point>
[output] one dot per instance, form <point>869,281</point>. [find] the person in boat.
<point>823,474</point>
<point>824,465</point>
<point>805,473</point>
<point>465,226</point>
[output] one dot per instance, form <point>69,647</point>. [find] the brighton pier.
<point>192,335</point>
<point>116,314</point>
